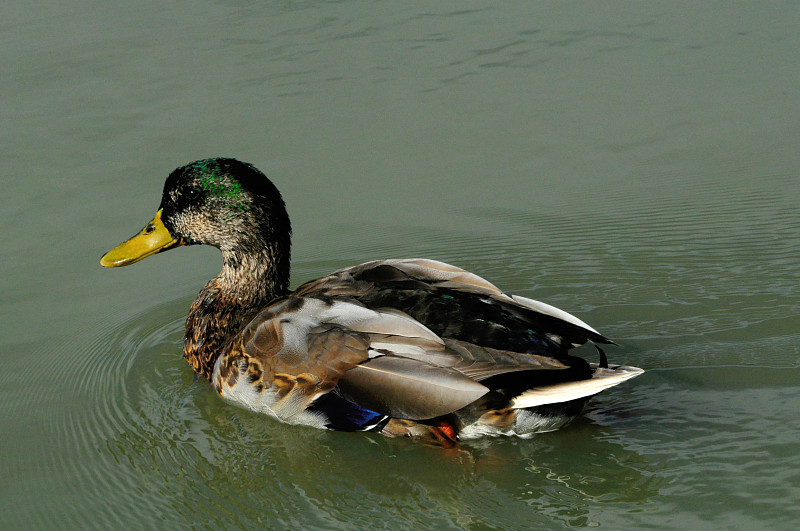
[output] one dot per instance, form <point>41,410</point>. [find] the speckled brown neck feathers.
<point>227,303</point>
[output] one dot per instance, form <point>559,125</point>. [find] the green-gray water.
<point>634,163</point>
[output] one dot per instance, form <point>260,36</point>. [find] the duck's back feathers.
<point>455,303</point>
<point>406,339</point>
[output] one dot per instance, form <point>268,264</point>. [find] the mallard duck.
<point>410,347</point>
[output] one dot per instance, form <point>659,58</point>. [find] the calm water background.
<point>635,163</point>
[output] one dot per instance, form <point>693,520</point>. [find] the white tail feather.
<point>563,392</point>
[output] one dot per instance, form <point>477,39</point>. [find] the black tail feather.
<point>603,358</point>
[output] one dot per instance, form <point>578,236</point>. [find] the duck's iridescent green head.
<point>220,202</point>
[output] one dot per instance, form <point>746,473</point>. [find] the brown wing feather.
<point>321,351</point>
<point>409,389</point>
<point>481,363</point>
<point>287,353</point>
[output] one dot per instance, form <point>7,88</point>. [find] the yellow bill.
<point>152,239</point>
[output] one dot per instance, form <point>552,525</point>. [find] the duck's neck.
<point>247,283</point>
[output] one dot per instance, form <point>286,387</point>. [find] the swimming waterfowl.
<point>408,347</point>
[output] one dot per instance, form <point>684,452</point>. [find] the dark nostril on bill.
<point>149,229</point>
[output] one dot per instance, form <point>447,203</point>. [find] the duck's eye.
<point>192,193</point>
